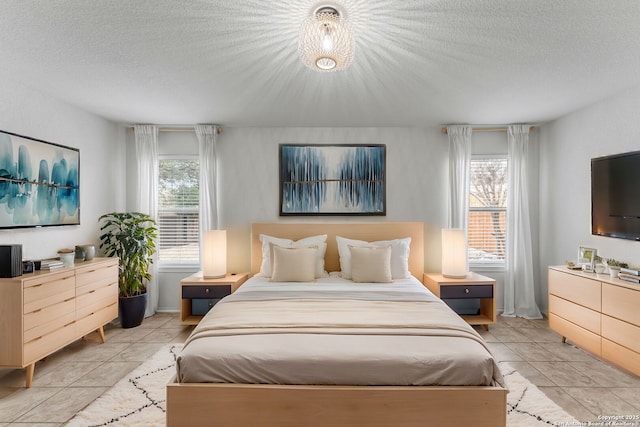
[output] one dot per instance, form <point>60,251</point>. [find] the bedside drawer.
<point>206,292</point>
<point>462,291</point>
<point>200,307</point>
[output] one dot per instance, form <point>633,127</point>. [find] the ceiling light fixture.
<point>326,41</point>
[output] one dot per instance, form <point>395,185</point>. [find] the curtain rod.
<point>496,129</point>
<point>182,129</point>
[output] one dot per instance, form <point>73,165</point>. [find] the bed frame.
<point>190,404</point>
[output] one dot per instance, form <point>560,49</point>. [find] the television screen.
<point>615,196</point>
<point>39,183</point>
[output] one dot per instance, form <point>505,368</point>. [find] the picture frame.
<point>39,183</point>
<point>586,257</point>
<point>332,179</point>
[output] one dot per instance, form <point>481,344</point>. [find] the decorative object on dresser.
<point>630,274</point>
<point>473,286</point>
<point>614,266</point>
<point>40,183</point>
<point>199,294</point>
<point>586,257</point>
<point>130,236</point>
<point>597,313</point>
<point>67,257</point>
<point>43,311</point>
<point>10,260</point>
<point>332,179</point>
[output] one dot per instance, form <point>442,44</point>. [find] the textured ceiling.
<point>234,62</point>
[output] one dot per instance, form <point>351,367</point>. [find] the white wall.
<point>36,115</point>
<point>567,146</point>
<point>416,177</point>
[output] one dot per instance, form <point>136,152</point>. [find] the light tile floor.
<point>70,379</point>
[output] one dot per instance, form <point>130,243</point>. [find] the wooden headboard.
<point>370,232</point>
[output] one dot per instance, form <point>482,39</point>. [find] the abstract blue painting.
<point>332,179</point>
<point>39,183</point>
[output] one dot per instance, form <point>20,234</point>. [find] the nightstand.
<point>198,294</point>
<point>473,286</point>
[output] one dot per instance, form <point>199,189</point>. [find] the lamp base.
<point>206,276</point>
<point>454,276</point>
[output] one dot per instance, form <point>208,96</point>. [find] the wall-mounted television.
<point>615,196</point>
<point>39,183</point>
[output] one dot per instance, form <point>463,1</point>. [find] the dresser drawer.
<point>96,319</point>
<point>40,295</point>
<point>580,336</point>
<point>621,303</point>
<point>581,290</point>
<point>575,313</point>
<point>48,314</point>
<point>622,333</point>
<point>96,300</point>
<point>95,278</point>
<point>206,292</point>
<point>466,291</point>
<point>48,343</point>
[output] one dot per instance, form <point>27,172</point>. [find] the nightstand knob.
<point>206,290</point>
<point>466,290</point>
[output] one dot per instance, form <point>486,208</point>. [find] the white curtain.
<point>208,177</point>
<point>146,138</point>
<point>459,165</point>
<point>519,285</point>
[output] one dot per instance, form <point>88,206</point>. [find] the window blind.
<point>487,211</point>
<point>178,211</point>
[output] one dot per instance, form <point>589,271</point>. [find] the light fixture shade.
<point>454,253</point>
<point>214,254</point>
<point>326,41</point>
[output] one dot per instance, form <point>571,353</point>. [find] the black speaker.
<point>10,260</point>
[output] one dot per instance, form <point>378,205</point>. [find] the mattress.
<point>335,332</point>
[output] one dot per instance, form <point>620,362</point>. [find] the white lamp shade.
<point>214,254</point>
<point>454,253</point>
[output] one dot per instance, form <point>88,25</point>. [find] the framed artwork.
<point>332,179</point>
<point>586,257</point>
<point>39,183</point>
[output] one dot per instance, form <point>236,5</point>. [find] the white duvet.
<point>335,332</point>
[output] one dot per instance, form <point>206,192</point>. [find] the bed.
<point>392,393</point>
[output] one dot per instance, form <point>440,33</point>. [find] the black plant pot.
<point>131,310</point>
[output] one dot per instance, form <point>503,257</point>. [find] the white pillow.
<point>265,267</point>
<point>371,264</point>
<point>399,255</point>
<point>267,241</point>
<point>294,264</point>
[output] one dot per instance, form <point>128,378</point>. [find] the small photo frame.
<point>586,257</point>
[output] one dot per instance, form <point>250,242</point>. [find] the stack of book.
<point>631,274</point>
<point>50,264</point>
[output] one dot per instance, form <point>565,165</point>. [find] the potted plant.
<point>131,237</point>
<point>615,266</point>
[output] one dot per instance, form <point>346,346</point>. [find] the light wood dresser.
<point>598,313</point>
<point>43,311</point>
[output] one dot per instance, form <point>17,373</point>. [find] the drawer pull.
<point>69,324</point>
<point>466,290</point>
<point>207,290</point>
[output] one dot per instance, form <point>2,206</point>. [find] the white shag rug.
<point>139,399</point>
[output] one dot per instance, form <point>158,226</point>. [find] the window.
<point>178,210</point>
<point>487,211</point>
